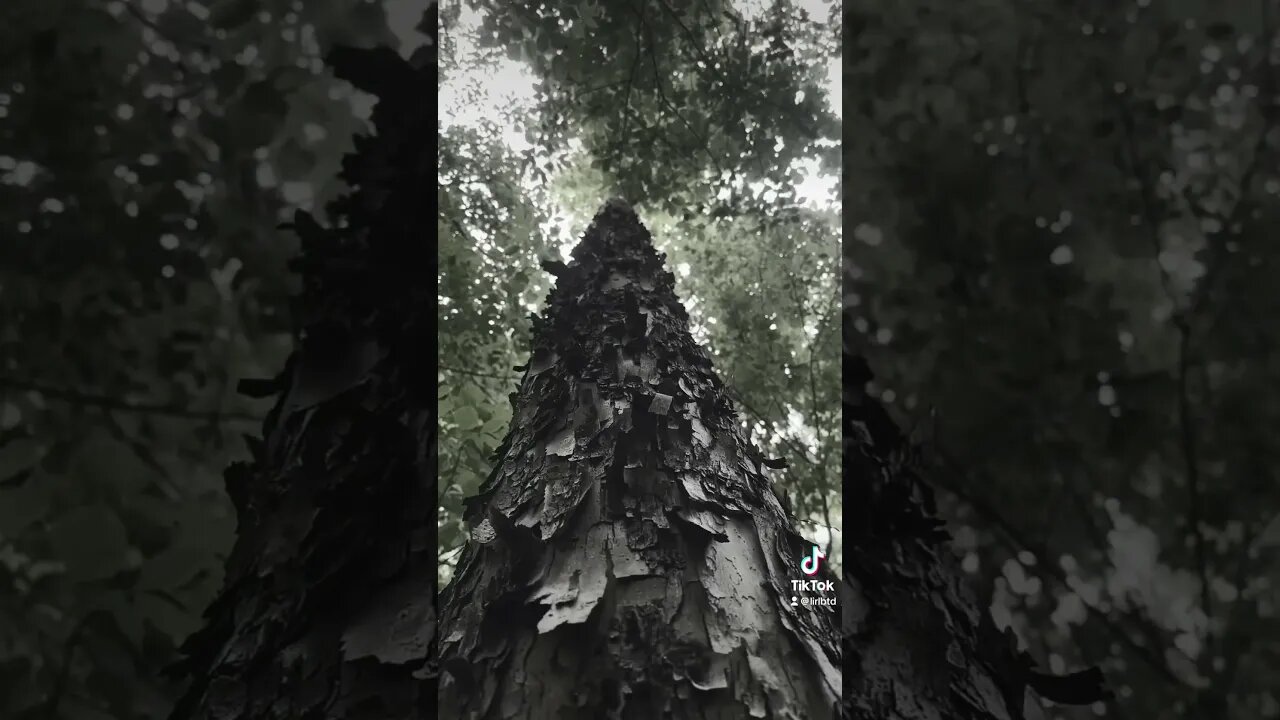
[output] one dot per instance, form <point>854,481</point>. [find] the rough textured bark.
<point>916,645</point>
<point>327,609</point>
<point>628,557</point>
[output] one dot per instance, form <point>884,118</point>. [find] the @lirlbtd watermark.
<point>810,593</point>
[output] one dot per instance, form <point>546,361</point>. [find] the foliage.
<point>1079,293</point>
<point>147,152</point>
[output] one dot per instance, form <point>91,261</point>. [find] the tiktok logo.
<point>809,563</point>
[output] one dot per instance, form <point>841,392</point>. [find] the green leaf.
<point>466,417</point>
<point>17,460</point>
<point>230,14</point>
<point>24,506</point>
<point>91,541</point>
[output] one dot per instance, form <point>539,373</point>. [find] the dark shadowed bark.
<point>327,610</point>
<point>916,645</point>
<point>628,558</point>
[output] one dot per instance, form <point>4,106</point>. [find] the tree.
<point>327,609</point>
<point>629,558</point>
<point>689,110</point>
<point>916,644</point>
<point>147,151</point>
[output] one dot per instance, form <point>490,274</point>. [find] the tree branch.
<point>111,403</point>
<point>785,440</point>
<point>1182,324</point>
<point>478,373</point>
<point>657,86</point>
<point>1191,462</point>
<point>631,80</point>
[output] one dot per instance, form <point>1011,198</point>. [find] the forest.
<point>1044,226</point>
<point>1055,259</point>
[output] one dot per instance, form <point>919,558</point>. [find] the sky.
<point>491,89</point>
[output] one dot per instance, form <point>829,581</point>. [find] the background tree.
<point>147,152</point>
<point>328,606</point>
<point>915,643</point>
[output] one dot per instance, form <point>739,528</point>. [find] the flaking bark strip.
<point>641,563</point>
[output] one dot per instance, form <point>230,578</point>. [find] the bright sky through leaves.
<point>494,86</point>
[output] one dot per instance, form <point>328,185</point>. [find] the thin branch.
<point>1236,638</point>
<point>657,86</point>
<point>1183,326</point>
<point>826,518</point>
<point>815,523</point>
<point>803,309</point>
<point>153,26</point>
<point>478,373</point>
<point>579,92</point>
<point>442,556</point>
<point>785,440</point>
<point>1191,462</point>
<point>631,80</point>
<point>60,680</point>
<point>111,403</point>
<point>144,19</point>
<point>475,244</point>
<point>1150,215</point>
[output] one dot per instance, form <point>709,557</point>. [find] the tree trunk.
<point>628,557</point>
<point>916,645</point>
<point>327,609</point>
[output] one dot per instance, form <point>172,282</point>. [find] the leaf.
<point>1219,30</point>
<point>293,161</point>
<point>265,99</point>
<point>91,541</point>
<point>23,506</point>
<point>230,14</point>
<point>17,460</point>
<point>496,425</point>
<point>175,622</point>
<point>466,417</point>
<point>174,566</point>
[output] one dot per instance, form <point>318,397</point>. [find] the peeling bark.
<point>916,645</point>
<point>328,606</point>
<point>629,558</point>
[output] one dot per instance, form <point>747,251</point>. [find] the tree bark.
<point>916,645</point>
<point>628,557</point>
<point>328,605</point>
